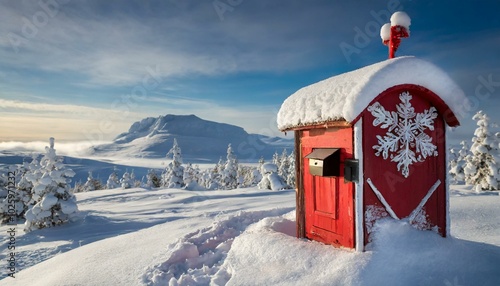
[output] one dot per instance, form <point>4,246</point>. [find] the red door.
<point>404,159</point>
<point>328,200</point>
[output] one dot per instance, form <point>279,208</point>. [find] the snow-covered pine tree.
<point>78,187</point>
<point>284,165</point>
<point>4,196</point>
<point>191,178</point>
<point>245,178</point>
<point>209,179</point>
<point>457,163</point>
<point>174,172</point>
<point>462,154</point>
<point>89,184</point>
<point>270,178</point>
<point>205,178</point>
<point>452,165</point>
<point>55,203</point>
<point>256,176</point>
<point>481,169</point>
<point>229,179</point>
<point>153,179</point>
<point>24,187</point>
<point>113,182</point>
<point>276,159</point>
<point>219,167</point>
<point>92,184</point>
<point>126,181</point>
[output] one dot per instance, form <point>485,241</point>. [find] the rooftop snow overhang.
<point>342,98</point>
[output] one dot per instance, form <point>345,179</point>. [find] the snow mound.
<point>196,258</point>
<point>398,255</point>
<point>345,96</point>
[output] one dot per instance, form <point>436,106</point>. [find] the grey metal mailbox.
<point>324,162</point>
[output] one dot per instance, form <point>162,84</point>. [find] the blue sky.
<point>86,70</point>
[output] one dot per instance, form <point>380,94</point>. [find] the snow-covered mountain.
<point>200,140</point>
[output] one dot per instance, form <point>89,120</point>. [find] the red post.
<point>397,32</point>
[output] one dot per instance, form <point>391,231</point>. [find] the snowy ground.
<point>246,237</point>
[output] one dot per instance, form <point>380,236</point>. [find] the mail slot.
<point>324,162</point>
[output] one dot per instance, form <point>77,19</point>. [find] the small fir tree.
<point>55,203</point>
<point>457,163</point>
<point>23,193</point>
<point>276,159</point>
<point>191,178</point>
<point>174,172</point>
<point>209,179</point>
<point>284,165</point>
<point>113,182</point>
<point>153,179</point>
<point>481,169</point>
<point>229,178</point>
<point>452,165</point>
<point>5,197</point>
<point>126,181</point>
<point>89,184</point>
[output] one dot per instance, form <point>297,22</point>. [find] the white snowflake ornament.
<point>405,141</point>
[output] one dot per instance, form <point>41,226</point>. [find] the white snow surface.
<point>247,237</point>
<point>345,96</point>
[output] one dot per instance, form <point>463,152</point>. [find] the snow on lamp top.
<point>401,19</point>
<point>385,32</point>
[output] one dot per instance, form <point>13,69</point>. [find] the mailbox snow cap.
<point>345,96</point>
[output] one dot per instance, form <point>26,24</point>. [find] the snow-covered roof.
<point>345,96</point>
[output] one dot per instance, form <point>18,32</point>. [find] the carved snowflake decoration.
<point>405,141</point>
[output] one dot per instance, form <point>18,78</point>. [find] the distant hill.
<point>200,140</point>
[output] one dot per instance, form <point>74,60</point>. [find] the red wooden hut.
<point>371,144</point>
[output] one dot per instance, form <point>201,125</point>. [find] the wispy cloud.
<point>58,108</point>
<point>115,50</point>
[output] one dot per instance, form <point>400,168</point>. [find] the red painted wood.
<point>329,205</point>
<point>404,194</point>
<point>397,33</point>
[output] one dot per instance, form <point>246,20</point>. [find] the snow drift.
<point>247,237</point>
